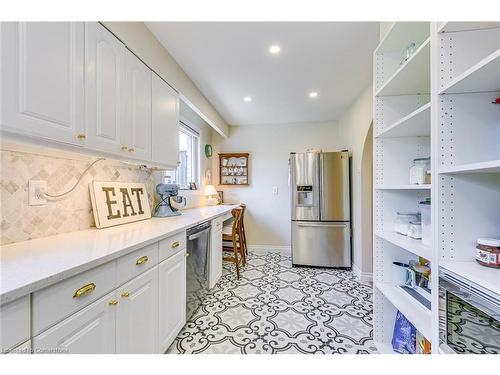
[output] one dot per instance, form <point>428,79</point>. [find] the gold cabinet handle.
<point>125,294</point>
<point>131,149</point>
<point>175,244</point>
<point>142,260</point>
<point>124,148</point>
<point>86,289</point>
<point>113,302</point>
<point>81,136</point>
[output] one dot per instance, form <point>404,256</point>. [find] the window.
<point>189,151</point>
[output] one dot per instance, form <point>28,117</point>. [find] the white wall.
<point>144,44</point>
<point>268,219</point>
<point>353,129</point>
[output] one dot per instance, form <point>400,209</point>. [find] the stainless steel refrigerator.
<point>320,207</point>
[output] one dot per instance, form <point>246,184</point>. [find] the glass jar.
<point>419,170</point>
<point>415,230</point>
<point>403,220</point>
<point>488,252</point>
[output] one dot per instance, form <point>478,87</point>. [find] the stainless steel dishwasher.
<point>198,248</point>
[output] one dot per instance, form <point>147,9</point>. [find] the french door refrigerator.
<point>320,208</point>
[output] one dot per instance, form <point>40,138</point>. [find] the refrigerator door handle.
<point>323,225</point>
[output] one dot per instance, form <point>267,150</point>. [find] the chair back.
<point>237,214</point>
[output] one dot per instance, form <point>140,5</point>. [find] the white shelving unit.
<point>466,125</point>
<point>447,113</point>
<point>402,132</point>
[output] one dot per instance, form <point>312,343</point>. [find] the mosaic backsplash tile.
<point>72,212</point>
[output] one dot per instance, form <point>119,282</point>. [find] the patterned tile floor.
<point>277,308</point>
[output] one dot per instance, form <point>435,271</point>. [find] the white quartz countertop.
<point>35,264</point>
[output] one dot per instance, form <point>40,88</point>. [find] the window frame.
<point>192,132</point>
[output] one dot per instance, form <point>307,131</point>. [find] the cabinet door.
<point>137,133</point>
<point>88,331</point>
<point>137,316</point>
<point>172,299</point>
<point>216,252</point>
<point>104,89</point>
<point>42,80</point>
<point>165,123</point>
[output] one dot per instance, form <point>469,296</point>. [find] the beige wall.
<point>268,218</point>
<point>144,44</point>
<point>353,128</point>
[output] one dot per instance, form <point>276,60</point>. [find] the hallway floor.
<point>275,308</point>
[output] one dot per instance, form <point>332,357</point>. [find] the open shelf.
<point>412,76</point>
<point>403,187</point>
<point>481,77</point>
<point>452,27</point>
<point>385,348</point>
<point>407,243</point>
<point>416,124</point>
<point>486,277</point>
<point>413,310</point>
<point>401,34</point>
<point>492,166</point>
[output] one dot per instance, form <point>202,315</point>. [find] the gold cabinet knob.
<point>125,294</point>
<point>86,289</point>
<point>142,260</point>
<point>187,254</point>
<point>178,163</point>
<point>131,149</point>
<point>124,148</point>
<point>175,244</point>
<point>113,302</point>
<point>81,136</point>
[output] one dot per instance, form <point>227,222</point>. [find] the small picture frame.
<point>192,186</point>
<point>220,196</point>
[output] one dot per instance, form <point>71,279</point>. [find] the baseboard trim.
<point>363,276</point>
<point>270,249</point>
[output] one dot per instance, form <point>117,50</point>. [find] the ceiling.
<point>231,60</point>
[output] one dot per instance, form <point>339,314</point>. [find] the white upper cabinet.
<point>137,315</point>
<point>172,299</point>
<point>165,123</point>
<point>105,99</point>
<point>42,80</point>
<point>137,133</point>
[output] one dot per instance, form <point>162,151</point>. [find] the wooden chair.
<point>227,228</point>
<point>235,237</point>
<point>243,235</point>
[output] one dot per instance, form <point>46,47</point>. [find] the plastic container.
<point>418,171</point>
<point>488,252</point>
<point>425,214</point>
<point>403,220</point>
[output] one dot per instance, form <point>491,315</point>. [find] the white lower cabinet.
<point>24,348</point>
<point>14,323</point>
<point>172,299</point>
<point>90,330</point>
<point>137,315</point>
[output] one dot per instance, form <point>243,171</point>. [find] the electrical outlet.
<point>36,188</point>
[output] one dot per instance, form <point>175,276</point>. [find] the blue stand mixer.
<point>168,193</point>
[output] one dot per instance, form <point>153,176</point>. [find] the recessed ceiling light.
<point>313,94</point>
<point>247,99</point>
<point>275,49</point>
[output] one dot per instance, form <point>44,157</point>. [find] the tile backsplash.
<point>72,212</point>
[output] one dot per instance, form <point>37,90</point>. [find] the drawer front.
<point>15,323</point>
<point>56,302</point>
<point>172,245</point>
<point>131,265</point>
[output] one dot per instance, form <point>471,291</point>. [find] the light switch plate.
<point>35,190</point>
